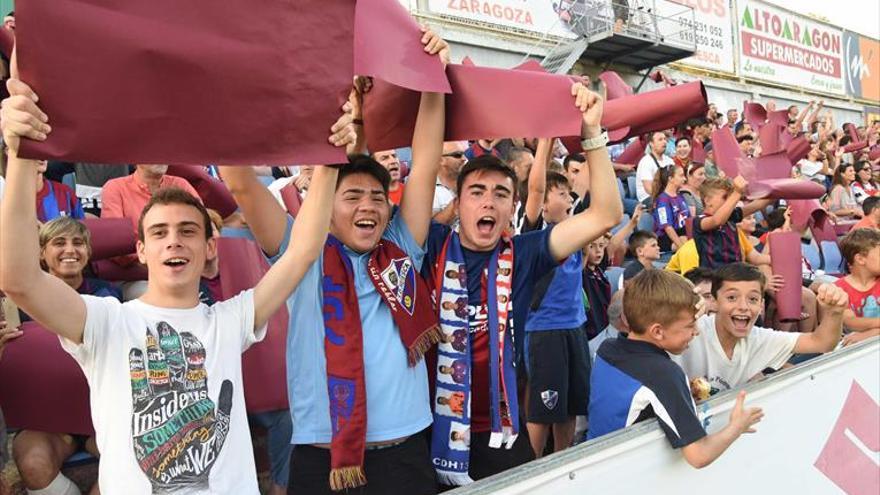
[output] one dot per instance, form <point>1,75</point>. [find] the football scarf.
<point>450,443</point>
<point>406,295</point>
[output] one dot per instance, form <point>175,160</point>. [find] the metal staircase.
<point>645,39</point>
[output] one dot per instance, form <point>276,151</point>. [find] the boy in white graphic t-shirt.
<point>730,350</point>
<point>164,371</point>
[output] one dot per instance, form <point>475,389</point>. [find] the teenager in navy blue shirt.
<point>555,349</point>
<point>486,199</point>
<point>634,378</point>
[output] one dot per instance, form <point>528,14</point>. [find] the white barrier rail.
<point>820,435</point>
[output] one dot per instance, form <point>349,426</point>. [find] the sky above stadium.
<point>862,16</point>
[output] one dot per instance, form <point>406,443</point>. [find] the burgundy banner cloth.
<point>772,166</point>
<point>213,192</point>
<point>654,110</point>
<point>798,148</point>
<point>698,152</point>
<point>292,199</point>
<point>110,237</point>
<point>855,144</point>
<point>785,260</point>
<point>41,386</point>
<point>485,103</point>
<point>108,270</point>
<point>726,151</point>
<point>754,114</point>
<point>7,41</point>
<point>874,153</point>
<point>633,152</point>
<point>383,24</point>
<point>805,213</point>
<point>785,189</point>
<point>242,265</point>
<point>530,64</point>
<point>615,86</point>
<point>233,82</point>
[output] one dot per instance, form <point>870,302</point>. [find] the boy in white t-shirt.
<point>730,350</point>
<point>164,371</point>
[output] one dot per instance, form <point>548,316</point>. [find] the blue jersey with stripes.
<point>633,381</point>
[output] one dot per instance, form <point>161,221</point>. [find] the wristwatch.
<point>595,143</point>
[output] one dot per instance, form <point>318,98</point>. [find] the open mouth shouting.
<point>741,323</point>
<point>365,226</point>
<point>486,224</point>
<point>177,263</point>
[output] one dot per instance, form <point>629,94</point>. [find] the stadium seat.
<point>646,222</point>
<point>614,274</point>
<point>833,259</point>
<point>811,253</point>
<point>631,186</point>
<point>622,224</point>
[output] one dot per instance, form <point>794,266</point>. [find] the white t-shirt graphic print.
<point>166,395</point>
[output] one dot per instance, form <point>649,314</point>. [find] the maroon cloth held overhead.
<point>213,192</point>
<point>110,237</point>
<point>787,189</point>
<point>232,82</point>
<point>292,199</point>
<point>485,103</point>
<point>784,261</point>
<point>41,386</point>
<point>380,24</point>
<point>615,86</point>
<point>656,110</point>
<point>633,152</point>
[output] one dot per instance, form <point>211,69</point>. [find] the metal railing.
<point>657,21</point>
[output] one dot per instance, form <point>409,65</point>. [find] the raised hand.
<point>591,105</point>
<point>176,429</point>
<point>435,45</point>
<point>21,117</point>
<point>744,419</point>
<point>740,184</point>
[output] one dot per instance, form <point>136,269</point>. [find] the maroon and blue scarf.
<point>406,295</point>
<point>450,443</point>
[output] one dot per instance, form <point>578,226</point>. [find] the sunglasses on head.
<point>455,154</point>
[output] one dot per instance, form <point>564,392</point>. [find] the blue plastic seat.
<point>614,274</point>
<point>833,259</point>
<point>811,253</point>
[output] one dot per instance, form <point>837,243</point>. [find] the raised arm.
<point>721,216</point>
<point>605,206</point>
<point>705,450</point>
<point>832,302</point>
<point>309,234</point>
<point>418,196</point>
<point>803,115</point>
<point>538,181</point>
<point>265,217</point>
<point>44,297</point>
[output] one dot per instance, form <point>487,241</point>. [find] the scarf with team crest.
<point>406,295</point>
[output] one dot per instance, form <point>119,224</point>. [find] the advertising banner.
<point>711,29</point>
<point>785,48</point>
<point>540,16</point>
<point>800,446</point>
<point>861,57</point>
